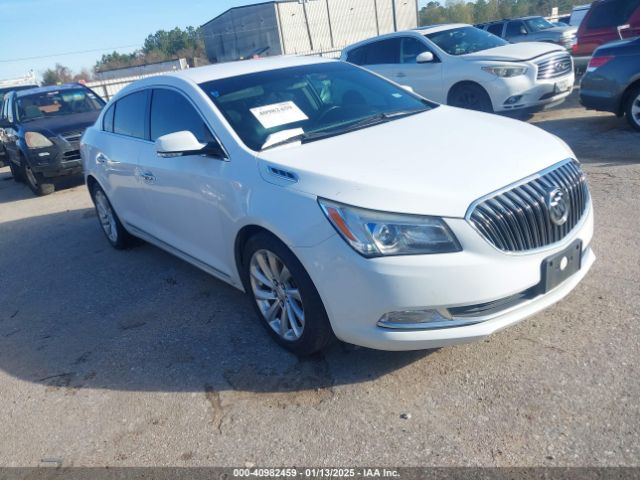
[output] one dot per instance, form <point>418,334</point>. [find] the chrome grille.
<point>556,66</point>
<point>71,155</point>
<point>519,219</point>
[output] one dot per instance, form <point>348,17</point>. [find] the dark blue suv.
<point>40,130</point>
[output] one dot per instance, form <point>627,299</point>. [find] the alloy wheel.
<point>106,216</point>
<point>277,295</point>
<point>635,109</point>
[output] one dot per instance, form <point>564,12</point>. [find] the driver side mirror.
<point>425,57</point>
<point>183,143</point>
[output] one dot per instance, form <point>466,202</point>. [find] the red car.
<point>606,21</point>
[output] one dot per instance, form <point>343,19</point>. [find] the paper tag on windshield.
<point>278,114</point>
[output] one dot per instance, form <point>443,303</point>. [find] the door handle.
<point>400,75</point>
<point>101,158</point>
<point>148,177</point>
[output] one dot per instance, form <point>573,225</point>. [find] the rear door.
<point>116,151</point>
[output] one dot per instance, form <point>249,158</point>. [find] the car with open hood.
<point>343,204</point>
<point>466,67</point>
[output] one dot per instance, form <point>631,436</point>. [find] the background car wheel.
<point>116,234</point>
<point>36,182</point>
<point>284,296</point>
<point>15,172</point>
<point>632,109</point>
<point>470,96</point>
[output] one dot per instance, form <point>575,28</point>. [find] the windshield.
<point>463,40</point>
<point>331,98</point>
<point>56,103</point>
<point>537,24</point>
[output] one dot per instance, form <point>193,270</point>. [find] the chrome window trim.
<point>552,246</point>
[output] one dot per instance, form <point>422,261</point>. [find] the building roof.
<point>245,6</point>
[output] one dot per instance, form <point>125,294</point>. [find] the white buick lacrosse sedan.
<point>344,205</point>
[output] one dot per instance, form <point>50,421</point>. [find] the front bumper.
<point>62,159</point>
<point>534,94</point>
<point>357,292</point>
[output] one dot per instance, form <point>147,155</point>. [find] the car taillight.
<point>574,47</point>
<point>597,62</point>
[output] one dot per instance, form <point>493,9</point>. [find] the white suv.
<point>342,203</point>
<point>466,67</point>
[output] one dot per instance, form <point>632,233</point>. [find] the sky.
<point>37,34</point>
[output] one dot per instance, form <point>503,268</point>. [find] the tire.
<point>15,172</point>
<point>111,226</point>
<point>470,96</point>
<point>306,328</point>
<point>36,182</point>
<point>632,108</point>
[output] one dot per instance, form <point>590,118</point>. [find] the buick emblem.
<point>558,205</point>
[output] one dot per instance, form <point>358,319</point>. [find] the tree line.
<point>158,47</point>
<point>487,10</point>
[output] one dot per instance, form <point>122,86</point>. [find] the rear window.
<point>611,13</point>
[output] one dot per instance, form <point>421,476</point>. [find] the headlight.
<point>376,234</point>
<point>37,140</point>
<point>505,72</point>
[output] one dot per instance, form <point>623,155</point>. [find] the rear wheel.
<point>284,296</point>
<point>116,234</point>
<point>36,182</point>
<point>632,108</point>
<point>470,96</point>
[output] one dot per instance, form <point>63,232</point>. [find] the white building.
<point>303,26</point>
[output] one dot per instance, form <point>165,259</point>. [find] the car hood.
<point>64,123</point>
<point>515,52</point>
<point>434,163</point>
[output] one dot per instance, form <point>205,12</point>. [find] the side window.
<point>383,52</point>
<point>411,48</point>
<point>130,115</point>
<point>107,122</point>
<point>496,29</point>
<point>357,55</point>
<point>515,29</point>
<point>171,112</point>
<point>611,14</point>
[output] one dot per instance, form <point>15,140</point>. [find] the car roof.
<point>528,17</point>
<point>416,32</point>
<point>50,88</point>
<point>244,67</point>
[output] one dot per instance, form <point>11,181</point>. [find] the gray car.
<point>612,81</point>
<point>531,29</point>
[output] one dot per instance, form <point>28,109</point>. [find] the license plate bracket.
<point>557,268</point>
<point>562,86</point>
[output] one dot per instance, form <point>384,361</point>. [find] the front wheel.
<point>284,296</point>
<point>471,97</point>
<point>632,109</point>
<point>36,182</point>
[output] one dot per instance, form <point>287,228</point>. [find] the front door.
<point>184,195</point>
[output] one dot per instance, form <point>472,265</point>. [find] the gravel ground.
<point>137,358</point>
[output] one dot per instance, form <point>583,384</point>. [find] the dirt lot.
<point>137,358</point>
